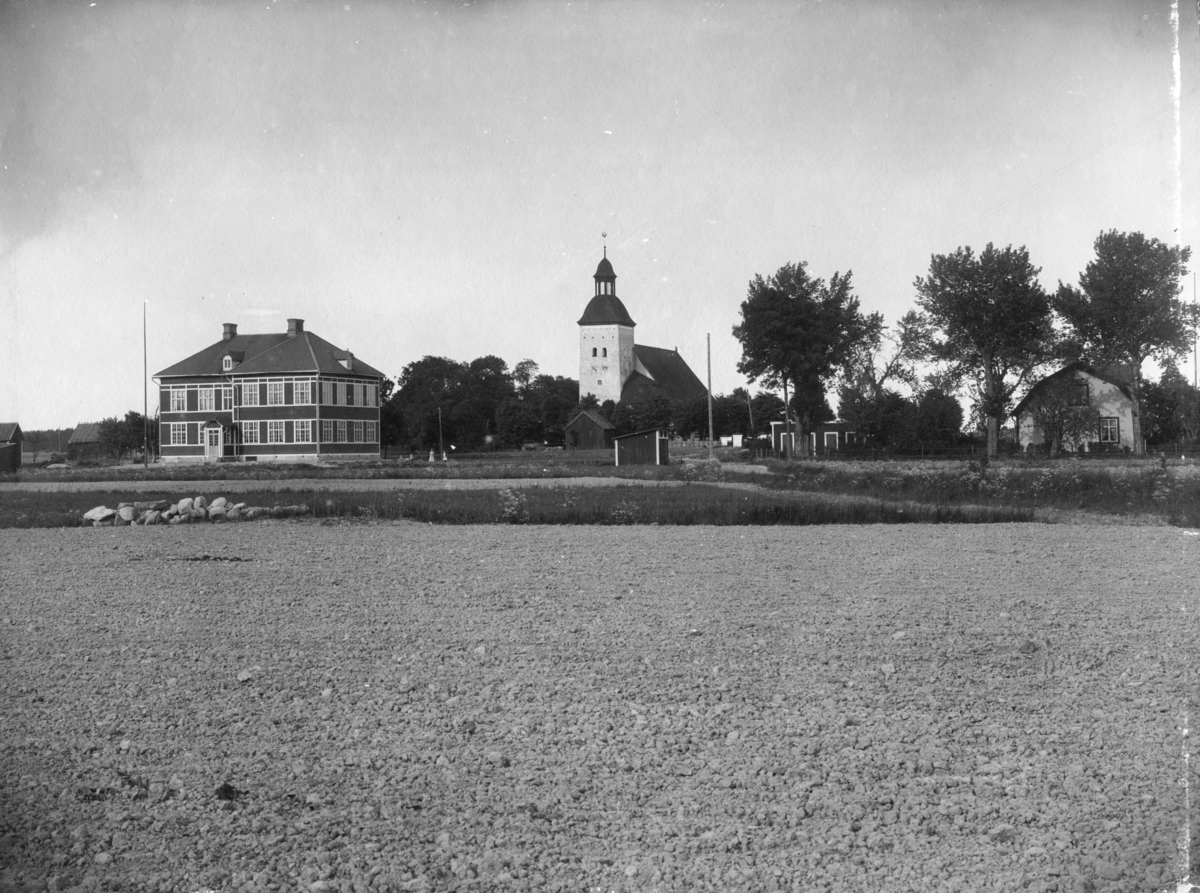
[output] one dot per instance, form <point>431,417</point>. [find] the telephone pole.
<point>145,398</point>
<point>708,340</point>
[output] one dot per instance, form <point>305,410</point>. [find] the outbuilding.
<point>10,447</point>
<point>589,431</point>
<point>642,447</point>
<point>84,443</point>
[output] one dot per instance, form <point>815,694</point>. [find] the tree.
<point>990,320</point>
<point>939,416</point>
<point>1127,308</point>
<point>1064,414</point>
<point>797,331</point>
<point>1170,408</point>
<point>426,386</point>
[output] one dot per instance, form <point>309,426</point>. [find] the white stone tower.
<point>605,339</point>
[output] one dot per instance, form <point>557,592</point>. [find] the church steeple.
<point>605,339</point>
<point>606,279</point>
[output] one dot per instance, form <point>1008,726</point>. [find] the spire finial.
<point>605,236</point>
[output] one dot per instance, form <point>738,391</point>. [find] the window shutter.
<point>288,393</point>
<point>193,397</point>
<point>262,394</point>
<point>289,431</point>
<point>164,400</point>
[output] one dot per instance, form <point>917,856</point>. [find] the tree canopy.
<point>1127,308</point>
<point>990,321</point>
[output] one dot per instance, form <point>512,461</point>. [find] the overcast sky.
<point>434,178</point>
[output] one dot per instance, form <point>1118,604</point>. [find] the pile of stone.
<point>187,511</point>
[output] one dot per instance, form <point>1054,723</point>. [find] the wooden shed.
<point>84,443</point>
<point>589,431</point>
<point>10,447</point>
<point>642,447</point>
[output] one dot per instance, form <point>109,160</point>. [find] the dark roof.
<point>643,433</point>
<point>9,432</point>
<point>85,432</point>
<point>1104,374</point>
<point>595,417</point>
<point>604,269</point>
<point>271,354</point>
<point>605,310</point>
<point>668,376</point>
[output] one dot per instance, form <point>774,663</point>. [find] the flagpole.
<point>145,398</point>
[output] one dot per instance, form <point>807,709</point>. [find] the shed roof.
<point>595,417</point>
<point>641,433</point>
<point>85,432</point>
<point>272,354</point>
<point>9,432</point>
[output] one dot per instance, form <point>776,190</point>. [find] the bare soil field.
<point>360,707</point>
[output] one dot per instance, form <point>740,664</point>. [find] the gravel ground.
<point>298,706</point>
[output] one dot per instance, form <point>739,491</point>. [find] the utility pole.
<point>441,449</point>
<point>787,425</point>
<point>708,339</point>
<point>145,398</point>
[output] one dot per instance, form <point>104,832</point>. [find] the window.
<point>326,431</point>
<point>327,393</point>
<point>341,431</point>
<point>249,432</point>
<point>1079,394</point>
<point>227,363</point>
<point>371,393</point>
<point>227,397</point>
<point>274,432</point>
<point>369,432</point>
<point>604,352</point>
<point>178,433</point>
<point>1110,430</point>
<point>250,395</point>
<point>599,381</point>
<point>593,351</point>
<point>304,431</point>
<point>341,393</point>
<point>358,432</point>
<point>274,393</point>
<point>208,401</point>
<point>301,393</point>
<point>178,399</point>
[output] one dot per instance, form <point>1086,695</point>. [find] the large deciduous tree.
<point>797,331</point>
<point>1127,308</point>
<point>991,321</point>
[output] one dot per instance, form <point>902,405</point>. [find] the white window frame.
<point>327,393</point>
<point>227,397</point>
<point>358,432</point>
<point>275,393</point>
<point>226,364</point>
<point>178,433</point>
<point>178,399</point>
<point>250,390</point>
<point>372,395</point>
<point>341,431</point>
<point>1110,424</point>
<point>369,432</point>
<point>341,394</point>
<point>207,401</point>
<point>303,431</point>
<point>251,432</point>
<point>302,389</point>
<point>276,432</point>
<point>327,431</point>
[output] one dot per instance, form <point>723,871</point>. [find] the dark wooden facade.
<point>589,431</point>
<point>642,448</point>
<point>11,441</point>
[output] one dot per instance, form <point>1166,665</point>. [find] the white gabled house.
<point>1106,391</point>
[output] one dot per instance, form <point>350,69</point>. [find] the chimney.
<point>295,327</point>
<point>230,331</point>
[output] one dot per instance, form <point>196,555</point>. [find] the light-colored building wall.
<point>1109,402</point>
<point>605,360</point>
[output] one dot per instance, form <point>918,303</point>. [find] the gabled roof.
<point>658,371</point>
<point>595,417</point>
<point>643,433</point>
<point>9,432</point>
<point>85,432</point>
<point>271,354</point>
<point>1117,380</point>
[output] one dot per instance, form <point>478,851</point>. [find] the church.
<point>613,367</point>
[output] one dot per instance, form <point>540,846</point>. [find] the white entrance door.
<point>212,443</point>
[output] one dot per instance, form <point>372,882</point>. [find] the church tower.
<point>605,339</point>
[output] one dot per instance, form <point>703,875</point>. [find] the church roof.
<point>661,372</point>
<point>604,270</point>
<point>606,310</point>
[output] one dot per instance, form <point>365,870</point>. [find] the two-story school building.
<point>269,397</point>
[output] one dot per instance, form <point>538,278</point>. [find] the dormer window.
<point>227,363</point>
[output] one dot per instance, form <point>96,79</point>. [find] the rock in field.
<point>99,513</point>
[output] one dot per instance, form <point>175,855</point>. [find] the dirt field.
<point>295,706</point>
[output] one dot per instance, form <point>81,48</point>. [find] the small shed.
<point>829,437</point>
<point>589,431</point>
<point>84,443</point>
<point>10,447</point>
<point>642,447</point>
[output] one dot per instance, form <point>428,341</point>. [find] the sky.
<point>424,178</point>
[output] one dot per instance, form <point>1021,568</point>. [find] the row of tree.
<point>984,326</point>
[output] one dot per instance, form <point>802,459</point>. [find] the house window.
<point>275,393</point>
<point>369,432</point>
<point>1079,394</point>
<point>358,432</point>
<point>227,364</point>
<point>227,397</point>
<point>178,400</point>
<point>326,431</point>
<point>341,431</point>
<point>1110,430</point>
<point>326,393</point>
<point>208,401</point>
<point>250,395</point>
<point>304,431</point>
<point>274,432</point>
<point>178,433</point>
<point>301,393</point>
<point>372,394</point>
<point>249,432</point>
<point>341,393</point>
